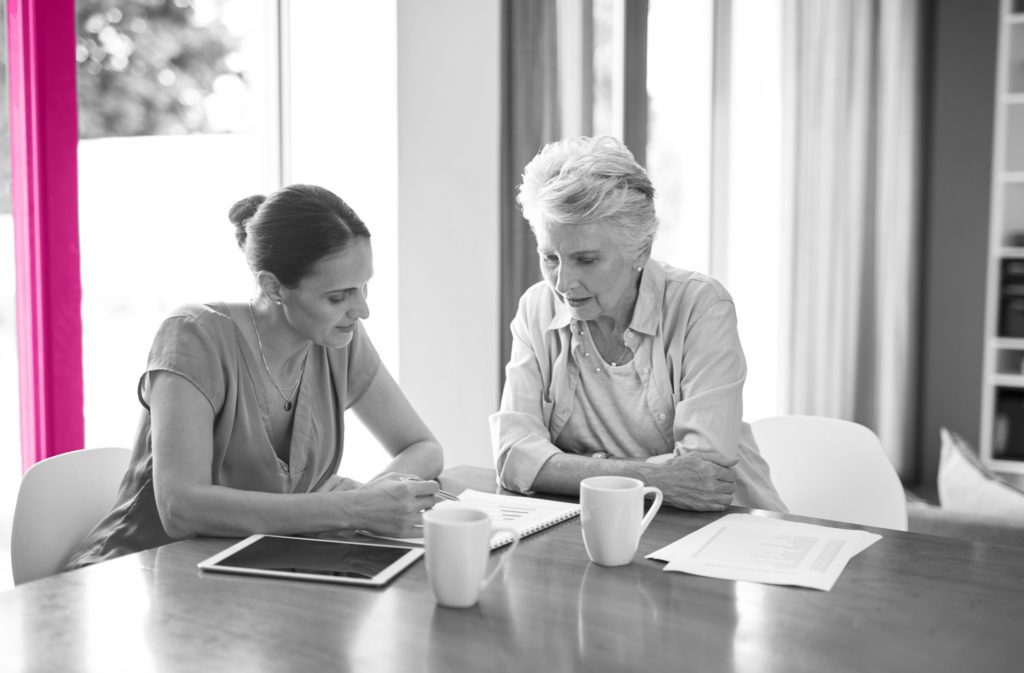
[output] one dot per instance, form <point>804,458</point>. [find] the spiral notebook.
<point>527,515</point>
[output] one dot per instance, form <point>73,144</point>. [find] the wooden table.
<point>908,603</point>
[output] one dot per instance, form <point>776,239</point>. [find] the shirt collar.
<point>646,313</point>
<point>649,299</point>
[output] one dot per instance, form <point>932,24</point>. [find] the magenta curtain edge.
<point>44,186</point>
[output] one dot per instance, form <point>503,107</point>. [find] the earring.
<point>277,301</point>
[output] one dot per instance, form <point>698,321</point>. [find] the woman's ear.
<point>270,286</point>
<point>641,260</point>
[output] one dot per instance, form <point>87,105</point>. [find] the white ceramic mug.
<point>458,544</point>
<point>613,518</point>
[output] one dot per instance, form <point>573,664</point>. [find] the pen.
<point>440,494</point>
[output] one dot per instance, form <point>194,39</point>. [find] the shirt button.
<point>586,355</point>
<point>661,417</point>
<point>647,370</point>
<point>598,369</point>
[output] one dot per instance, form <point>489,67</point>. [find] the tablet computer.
<point>314,559</point>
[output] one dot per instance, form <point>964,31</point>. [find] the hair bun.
<point>242,212</point>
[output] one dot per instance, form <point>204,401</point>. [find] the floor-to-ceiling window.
<point>756,270</point>
<point>680,37</point>
<point>713,80</point>
<point>714,154</point>
<point>342,133</point>
<point>177,114</point>
<point>190,105</point>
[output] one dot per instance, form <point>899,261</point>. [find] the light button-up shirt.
<point>690,364</point>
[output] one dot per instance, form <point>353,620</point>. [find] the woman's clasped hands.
<point>702,480</point>
<point>391,504</point>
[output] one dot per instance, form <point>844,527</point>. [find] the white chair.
<point>61,498</point>
<point>832,469</point>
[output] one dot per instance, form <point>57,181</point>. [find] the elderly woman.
<point>242,423</point>
<point>620,365</point>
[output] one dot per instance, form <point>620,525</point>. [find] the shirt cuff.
<point>523,462</point>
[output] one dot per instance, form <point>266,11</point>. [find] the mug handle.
<point>655,506</point>
<point>503,561</point>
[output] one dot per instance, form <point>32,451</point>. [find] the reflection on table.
<point>908,603</point>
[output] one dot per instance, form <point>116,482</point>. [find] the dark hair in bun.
<point>241,213</point>
<point>293,229</point>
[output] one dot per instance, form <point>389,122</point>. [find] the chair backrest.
<point>832,469</point>
<point>61,498</point>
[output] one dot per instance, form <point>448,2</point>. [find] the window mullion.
<point>281,118</point>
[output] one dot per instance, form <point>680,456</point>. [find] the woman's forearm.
<point>694,481</point>
<point>222,511</point>
<point>424,459</point>
<point>562,473</point>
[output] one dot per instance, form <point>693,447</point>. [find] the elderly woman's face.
<point>587,270</point>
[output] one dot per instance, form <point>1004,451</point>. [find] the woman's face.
<point>325,306</point>
<point>587,270</point>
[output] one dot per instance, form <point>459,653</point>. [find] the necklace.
<point>614,362</point>
<point>288,404</point>
<point>625,349</point>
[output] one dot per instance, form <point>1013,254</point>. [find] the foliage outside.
<point>145,67</point>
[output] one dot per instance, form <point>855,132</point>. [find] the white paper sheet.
<point>527,515</point>
<point>770,551</point>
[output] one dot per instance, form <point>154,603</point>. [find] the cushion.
<point>966,485</point>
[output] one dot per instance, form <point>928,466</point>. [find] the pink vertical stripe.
<point>44,185</point>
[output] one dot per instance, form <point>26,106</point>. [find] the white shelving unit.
<point>1002,406</point>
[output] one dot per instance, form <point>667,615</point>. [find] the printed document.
<point>771,551</point>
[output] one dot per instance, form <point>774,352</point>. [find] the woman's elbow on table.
<point>506,439</point>
<point>515,476</point>
<point>503,476</point>
<point>506,482</point>
<point>433,463</point>
<point>424,458</point>
<point>175,510</point>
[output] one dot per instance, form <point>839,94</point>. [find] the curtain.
<point>530,119</point>
<point>851,78</point>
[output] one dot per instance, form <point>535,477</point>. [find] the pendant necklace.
<point>288,399</point>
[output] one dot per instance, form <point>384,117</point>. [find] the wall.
<point>448,125</point>
<point>961,57</point>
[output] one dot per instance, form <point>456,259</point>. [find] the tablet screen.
<point>318,559</point>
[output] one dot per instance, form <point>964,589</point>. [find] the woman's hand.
<point>393,504</point>
<point>702,481</point>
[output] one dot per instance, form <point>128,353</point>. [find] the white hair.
<point>587,181</point>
